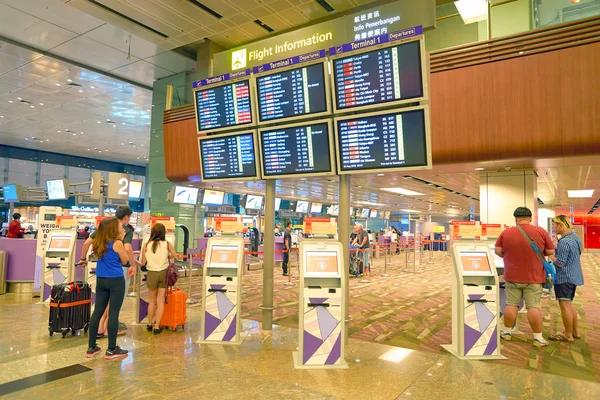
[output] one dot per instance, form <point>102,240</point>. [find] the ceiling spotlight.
<point>81,133</point>
<point>19,98</point>
<point>59,131</point>
<point>26,139</point>
<point>88,149</point>
<point>479,169</point>
<point>80,91</point>
<point>92,87</point>
<point>1,116</point>
<point>69,80</point>
<point>74,134</point>
<point>41,104</point>
<point>47,140</point>
<point>122,144</point>
<point>380,174</point>
<point>58,84</point>
<point>10,101</point>
<point>99,122</point>
<point>32,106</point>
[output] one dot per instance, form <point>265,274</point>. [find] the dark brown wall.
<point>538,106</point>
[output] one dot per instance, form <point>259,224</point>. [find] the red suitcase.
<point>175,309</point>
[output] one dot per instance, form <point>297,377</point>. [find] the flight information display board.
<point>227,157</point>
<point>292,93</point>
<point>295,150</point>
<point>378,77</point>
<point>383,141</point>
<point>224,106</point>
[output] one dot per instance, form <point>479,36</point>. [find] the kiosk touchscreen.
<point>59,259</point>
<point>322,306</point>
<point>221,291</point>
<point>475,302</point>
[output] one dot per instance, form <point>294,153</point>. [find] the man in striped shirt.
<point>569,275</point>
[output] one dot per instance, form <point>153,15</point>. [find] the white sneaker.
<point>540,343</point>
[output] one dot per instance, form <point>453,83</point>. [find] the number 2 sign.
<point>118,186</point>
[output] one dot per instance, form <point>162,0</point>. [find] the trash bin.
<point>2,272</point>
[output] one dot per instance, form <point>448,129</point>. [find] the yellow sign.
<point>238,59</point>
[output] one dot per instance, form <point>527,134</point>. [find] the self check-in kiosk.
<point>475,302</point>
<point>59,260</point>
<point>221,291</point>
<point>322,305</point>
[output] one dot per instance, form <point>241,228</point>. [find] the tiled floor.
<point>397,327</point>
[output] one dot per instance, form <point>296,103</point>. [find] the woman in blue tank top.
<point>110,285</point>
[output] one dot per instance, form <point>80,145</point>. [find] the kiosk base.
<point>243,336</point>
<point>450,349</point>
<point>298,363</point>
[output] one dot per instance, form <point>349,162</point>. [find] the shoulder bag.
<point>549,268</point>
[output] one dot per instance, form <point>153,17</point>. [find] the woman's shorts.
<point>156,280</point>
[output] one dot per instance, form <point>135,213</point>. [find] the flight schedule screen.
<point>392,140</point>
<point>224,106</point>
<point>291,93</point>
<point>228,157</point>
<point>379,76</point>
<point>302,149</point>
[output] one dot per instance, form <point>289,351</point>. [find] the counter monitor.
<point>365,212</point>
<point>213,198</point>
<point>229,157</point>
<point>383,141</point>
<point>385,76</point>
<point>185,195</point>
<point>253,202</point>
<point>316,208</point>
<point>374,214</point>
<point>320,264</point>
<point>302,206</point>
<point>59,243</point>
<point>292,93</point>
<point>224,106</point>
<point>11,193</point>
<point>135,190</point>
<point>333,210</point>
<point>475,263</point>
<point>297,150</point>
<point>498,261</point>
<point>223,256</point>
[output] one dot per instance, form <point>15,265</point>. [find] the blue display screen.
<point>228,157</point>
<point>10,193</point>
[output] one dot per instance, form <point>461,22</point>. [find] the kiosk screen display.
<point>391,74</point>
<point>10,193</point>
<point>226,157</point>
<point>333,209</point>
<point>321,263</point>
<point>374,214</point>
<point>59,243</point>
<point>475,263</point>
<point>135,190</point>
<point>224,256</point>
<point>299,91</point>
<point>365,212</point>
<point>56,190</point>
<point>224,106</point>
<point>301,149</point>
<point>213,198</point>
<point>302,207</point>
<point>254,202</point>
<point>382,141</point>
<point>185,195</point>
<point>498,261</point>
<point>316,208</point>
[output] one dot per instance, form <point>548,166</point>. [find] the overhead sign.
<point>288,62</point>
<point>369,23</point>
<point>221,78</point>
<point>376,40</point>
<point>118,186</point>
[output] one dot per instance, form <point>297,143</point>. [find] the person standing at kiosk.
<point>14,228</point>
<point>524,273</point>
<point>287,245</point>
<point>362,241</point>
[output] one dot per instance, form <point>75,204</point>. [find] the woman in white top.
<point>155,255</point>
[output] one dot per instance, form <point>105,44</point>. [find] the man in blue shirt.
<point>569,275</point>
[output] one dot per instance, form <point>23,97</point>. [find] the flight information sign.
<point>297,150</point>
<point>292,93</point>
<point>378,77</point>
<point>380,141</point>
<point>224,106</point>
<point>225,157</point>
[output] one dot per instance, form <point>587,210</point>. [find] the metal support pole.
<point>101,200</point>
<point>385,274</point>
<point>269,249</point>
<point>344,232</point>
<point>191,299</point>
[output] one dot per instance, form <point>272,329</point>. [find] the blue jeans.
<point>127,282</point>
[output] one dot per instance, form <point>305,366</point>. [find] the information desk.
<point>221,291</point>
<point>475,302</point>
<point>322,305</point>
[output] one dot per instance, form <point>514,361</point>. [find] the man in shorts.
<point>524,272</point>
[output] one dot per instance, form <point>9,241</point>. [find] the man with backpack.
<point>524,272</point>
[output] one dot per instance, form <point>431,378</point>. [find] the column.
<point>501,192</point>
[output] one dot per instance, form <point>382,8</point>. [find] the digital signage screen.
<point>229,157</point>
<point>135,190</point>
<point>302,206</point>
<point>11,193</point>
<point>297,150</point>
<point>185,195</point>
<point>253,202</point>
<point>213,198</point>
<point>57,189</point>
<point>381,77</point>
<point>316,208</point>
<point>397,140</point>
<point>292,93</point>
<point>224,106</point>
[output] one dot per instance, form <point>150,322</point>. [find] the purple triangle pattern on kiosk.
<point>143,309</point>
<point>47,291</point>
<point>311,345</point>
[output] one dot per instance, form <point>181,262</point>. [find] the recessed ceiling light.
<point>47,140</point>
<point>10,101</point>
<point>74,134</point>
<point>88,149</point>
<point>19,98</point>
<point>59,131</point>
<point>81,133</point>
<point>69,80</point>
<point>58,84</point>
<point>99,122</point>
<point>138,158</point>
<point>142,145</point>
<point>80,91</point>
<point>1,116</point>
<point>380,174</point>
<point>574,194</point>
<point>92,87</point>
<point>403,191</point>
<point>122,144</point>
<point>479,169</point>
<point>26,139</point>
<point>32,106</point>
<point>41,104</point>
<point>411,211</point>
<point>368,203</point>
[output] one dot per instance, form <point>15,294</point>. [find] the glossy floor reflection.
<point>172,364</point>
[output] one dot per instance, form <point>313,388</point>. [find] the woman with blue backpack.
<point>156,256</point>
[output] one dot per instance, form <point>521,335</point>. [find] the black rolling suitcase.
<point>70,308</point>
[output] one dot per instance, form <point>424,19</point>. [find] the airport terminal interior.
<point>338,183</point>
